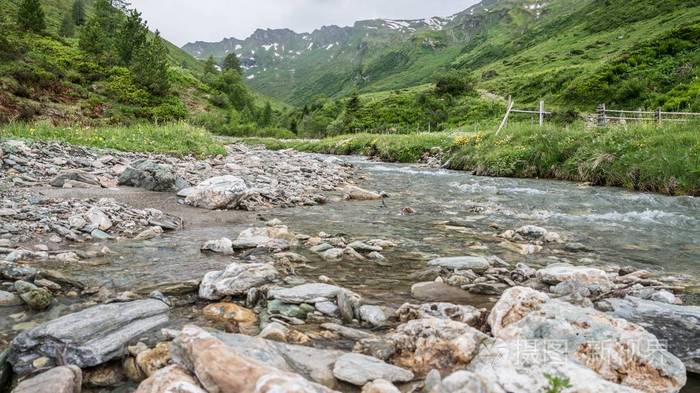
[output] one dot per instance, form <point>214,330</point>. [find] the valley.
<point>504,199</point>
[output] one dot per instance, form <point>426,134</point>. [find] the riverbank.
<point>180,139</point>
<point>413,278</point>
<point>638,157</point>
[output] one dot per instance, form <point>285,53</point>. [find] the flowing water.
<point>456,214</point>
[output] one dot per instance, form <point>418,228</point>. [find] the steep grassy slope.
<point>573,53</point>
<point>47,77</point>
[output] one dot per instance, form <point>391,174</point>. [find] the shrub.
<point>455,82</point>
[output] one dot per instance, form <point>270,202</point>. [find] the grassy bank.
<point>176,138</point>
<point>638,157</point>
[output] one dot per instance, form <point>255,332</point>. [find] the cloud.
<point>182,21</point>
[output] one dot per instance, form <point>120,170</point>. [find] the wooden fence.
<point>541,113</point>
<point>606,116</point>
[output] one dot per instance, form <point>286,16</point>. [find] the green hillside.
<point>572,53</point>
<point>48,75</point>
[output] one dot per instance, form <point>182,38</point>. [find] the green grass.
<point>176,138</point>
<point>638,157</point>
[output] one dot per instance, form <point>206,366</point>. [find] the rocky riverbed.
<point>278,271</point>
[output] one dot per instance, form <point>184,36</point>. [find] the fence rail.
<point>540,112</point>
<point>658,116</point>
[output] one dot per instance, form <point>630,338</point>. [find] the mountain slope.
<point>45,76</point>
<point>559,50</point>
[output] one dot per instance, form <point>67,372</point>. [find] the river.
<point>455,214</point>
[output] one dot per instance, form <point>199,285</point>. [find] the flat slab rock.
<point>677,326</point>
<point>89,337</point>
<point>306,293</point>
<point>236,363</point>
<point>359,369</point>
<point>475,263</point>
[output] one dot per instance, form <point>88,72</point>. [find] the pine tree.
<point>150,66</point>
<point>133,34</point>
<point>210,66</point>
<point>78,12</point>
<point>67,26</point>
<point>266,116</point>
<point>97,36</point>
<point>30,16</point>
<point>231,62</point>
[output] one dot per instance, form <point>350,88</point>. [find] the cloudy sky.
<point>182,21</point>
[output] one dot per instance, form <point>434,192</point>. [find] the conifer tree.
<point>210,66</point>
<point>133,34</point>
<point>30,16</point>
<point>231,62</point>
<point>97,36</point>
<point>150,66</point>
<point>67,26</point>
<point>266,116</point>
<point>78,12</point>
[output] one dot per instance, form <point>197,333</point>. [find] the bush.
<point>169,110</point>
<point>455,82</point>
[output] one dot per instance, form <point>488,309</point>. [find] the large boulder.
<point>222,367</point>
<point>171,379</point>
<point>223,192</point>
<point>678,326</point>
<point>149,175</point>
<point>89,337</point>
<point>526,367</point>
<point>614,348</point>
<point>236,280</point>
<point>585,276</point>
<point>66,379</point>
<point>431,343</point>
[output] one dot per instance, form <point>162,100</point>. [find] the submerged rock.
<point>89,337</point>
<point>222,192</point>
<point>614,348</point>
<point>66,379</point>
<point>236,280</point>
<point>360,194</point>
<point>678,326</point>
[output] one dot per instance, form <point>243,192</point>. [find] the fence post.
<point>602,120</point>
<point>505,118</point>
<point>541,113</point>
<point>657,116</point>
